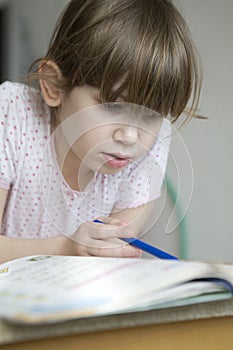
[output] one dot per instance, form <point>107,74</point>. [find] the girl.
<point>91,140</point>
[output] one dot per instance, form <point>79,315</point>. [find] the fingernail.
<point>137,253</point>
<point>124,224</point>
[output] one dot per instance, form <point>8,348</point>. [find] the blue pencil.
<point>146,247</point>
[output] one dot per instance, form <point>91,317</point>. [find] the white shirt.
<point>40,203</point>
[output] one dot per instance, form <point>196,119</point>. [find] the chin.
<point>105,169</point>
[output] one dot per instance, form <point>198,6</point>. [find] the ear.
<point>52,95</point>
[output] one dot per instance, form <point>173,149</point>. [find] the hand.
<point>96,239</point>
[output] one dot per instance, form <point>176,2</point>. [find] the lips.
<point>116,160</point>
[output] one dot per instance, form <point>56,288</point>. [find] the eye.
<point>113,106</point>
<point>152,116</point>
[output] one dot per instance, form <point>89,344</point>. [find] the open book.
<point>40,289</point>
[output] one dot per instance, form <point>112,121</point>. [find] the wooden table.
<point>202,326</point>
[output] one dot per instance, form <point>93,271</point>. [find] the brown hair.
<point>144,46</point>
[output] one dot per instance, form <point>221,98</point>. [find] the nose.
<point>126,133</point>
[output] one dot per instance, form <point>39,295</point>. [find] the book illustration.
<point>4,270</point>
<point>40,257</point>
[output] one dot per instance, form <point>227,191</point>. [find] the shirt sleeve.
<point>9,135</point>
<point>145,177</point>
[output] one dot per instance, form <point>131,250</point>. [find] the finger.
<point>110,248</point>
<point>111,220</point>
<point>119,252</point>
<point>107,231</point>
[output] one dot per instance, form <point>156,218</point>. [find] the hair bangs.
<point>155,65</point>
<point>140,50</point>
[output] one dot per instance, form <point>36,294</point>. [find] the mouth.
<point>116,160</point>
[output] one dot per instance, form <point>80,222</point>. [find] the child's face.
<point>105,137</point>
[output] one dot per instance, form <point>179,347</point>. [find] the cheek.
<point>150,133</point>
<point>88,143</point>
<point>147,141</point>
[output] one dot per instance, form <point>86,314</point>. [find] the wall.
<point>209,217</point>
<point>29,27</point>
<point>210,142</point>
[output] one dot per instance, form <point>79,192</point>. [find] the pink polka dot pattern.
<point>40,203</point>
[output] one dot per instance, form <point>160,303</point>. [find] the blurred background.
<point>203,154</point>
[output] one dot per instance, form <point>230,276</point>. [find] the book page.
<point>48,288</point>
